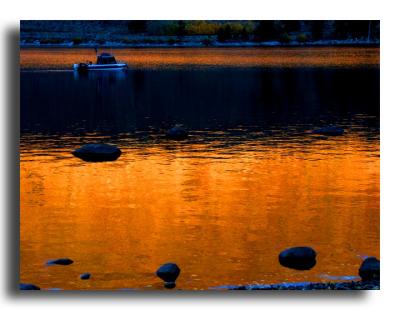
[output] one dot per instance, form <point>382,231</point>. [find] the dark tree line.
<point>266,30</point>
<point>221,30</point>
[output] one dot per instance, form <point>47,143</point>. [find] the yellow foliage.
<point>201,27</point>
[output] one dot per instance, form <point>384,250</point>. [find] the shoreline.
<point>196,44</point>
<point>307,286</point>
<point>285,286</point>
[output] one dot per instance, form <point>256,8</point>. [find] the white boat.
<point>105,61</point>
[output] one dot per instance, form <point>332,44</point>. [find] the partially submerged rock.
<point>329,131</point>
<point>370,269</point>
<point>28,287</point>
<point>60,261</point>
<point>85,276</point>
<point>168,273</point>
<point>177,133</point>
<point>299,258</point>
<point>97,152</point>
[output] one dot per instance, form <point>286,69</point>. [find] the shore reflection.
<point>222,208</point>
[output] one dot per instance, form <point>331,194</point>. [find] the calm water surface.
<point>248,182</point>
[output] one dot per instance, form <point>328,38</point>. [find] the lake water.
<point>250,181</point>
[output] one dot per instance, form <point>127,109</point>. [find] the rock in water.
<point>60,261</point>
<point>85,276</point>
<point>168,273</point>
<point>97,152</point>
<point>28,287</point>
<point>329,131</point>
<point>300,258</point>
<point>370,269</point>
<point>177,133</point>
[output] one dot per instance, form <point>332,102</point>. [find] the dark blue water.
<point>152,100</point>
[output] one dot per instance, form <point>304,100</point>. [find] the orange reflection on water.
<point>64,58</point>
<point>222,213</point>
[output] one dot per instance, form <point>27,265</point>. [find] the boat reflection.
<point>110,76</point>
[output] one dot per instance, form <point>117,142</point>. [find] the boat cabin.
<point>105,59</point>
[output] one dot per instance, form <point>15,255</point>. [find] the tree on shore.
<point>137,26</point>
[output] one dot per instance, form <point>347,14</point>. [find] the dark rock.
<point>60,261</point>
<point>97,152</point>
<point>370,269</point>
<point>329,131</point>
<point>177,133</point>
<point>28,287</point>
<point>168,272</point>
<point>85,276</point>
<point>300,258</point>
